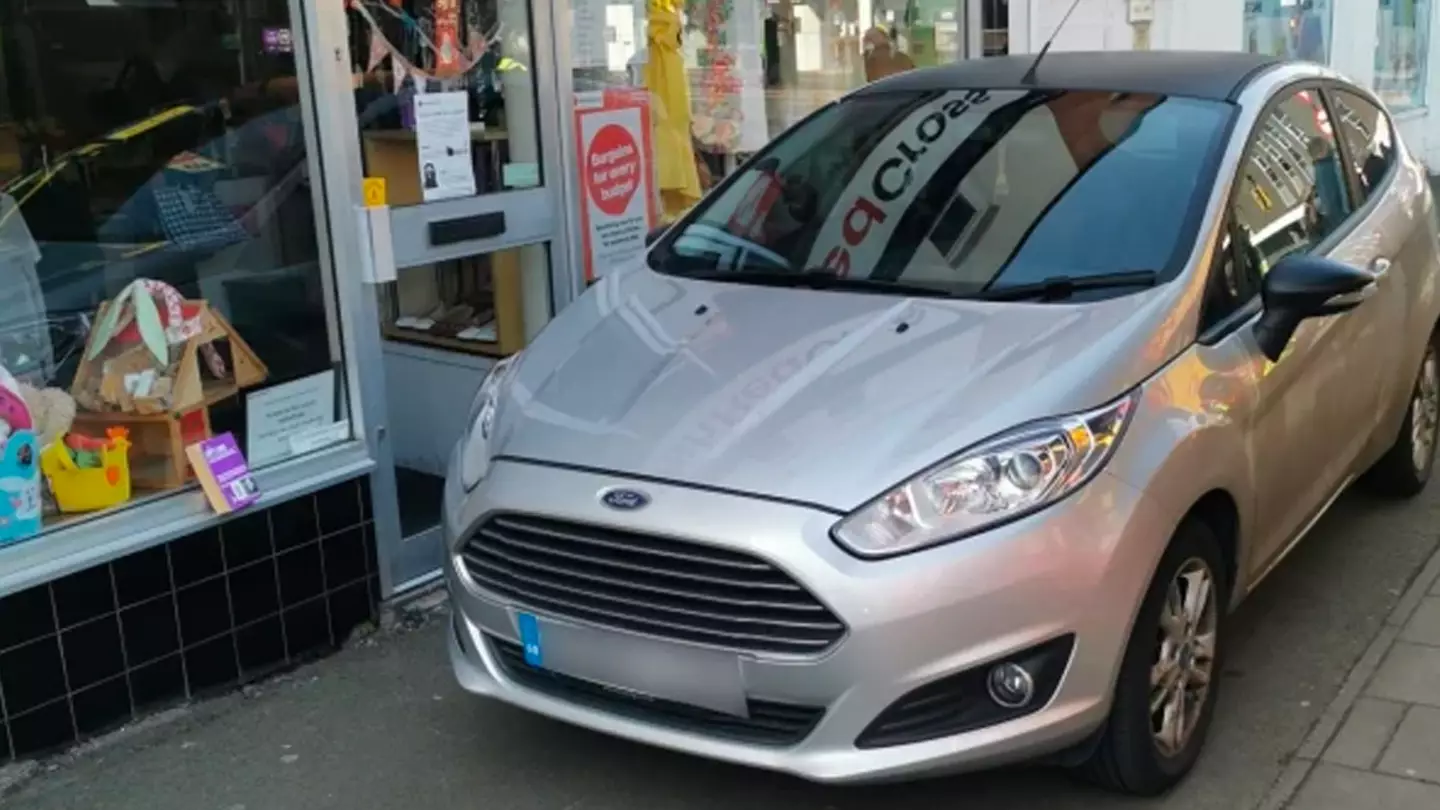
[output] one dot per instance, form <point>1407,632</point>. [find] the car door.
<point>1387,238</point>
<point>1291,196</point>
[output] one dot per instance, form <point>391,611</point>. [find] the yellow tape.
<point>149,123</point>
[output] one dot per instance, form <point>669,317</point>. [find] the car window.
<point>1234,279</point>
<point>1364,129</point>
<point>967,190</point>
<point>1291,191</point>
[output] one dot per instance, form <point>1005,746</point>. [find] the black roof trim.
<point>1215,75</point>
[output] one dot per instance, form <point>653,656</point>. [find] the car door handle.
<point>1380,266</point>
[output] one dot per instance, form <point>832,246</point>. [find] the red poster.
<point>617,177</point>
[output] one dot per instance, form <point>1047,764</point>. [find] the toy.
<point>87,474</point>
<point>14,414</point>
<point>52,412</point>
<point>20,514</point>
<point>19,489</point>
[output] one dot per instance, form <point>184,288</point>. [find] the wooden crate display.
<point>157,442</point>
<point>174,410</point>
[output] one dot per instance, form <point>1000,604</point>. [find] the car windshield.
<point>965,193</point>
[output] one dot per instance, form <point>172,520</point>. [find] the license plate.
<point>635,666</point>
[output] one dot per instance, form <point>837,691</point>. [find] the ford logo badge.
<point>626,499</point>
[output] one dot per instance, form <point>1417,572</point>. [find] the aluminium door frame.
<point>336,152</point>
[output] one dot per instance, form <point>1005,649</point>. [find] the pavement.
<point>1380,745</point>
<point>1330,699</point>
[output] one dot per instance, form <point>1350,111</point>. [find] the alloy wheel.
<point>1425,413</point>
<point>1184,666</point>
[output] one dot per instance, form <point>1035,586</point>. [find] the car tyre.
<point>1405,468</point>
<point>1142,750</point>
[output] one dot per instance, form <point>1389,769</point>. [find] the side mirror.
<point>1302,287</point>
<point>654,236</point>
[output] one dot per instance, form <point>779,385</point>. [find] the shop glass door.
<point>449,97</point>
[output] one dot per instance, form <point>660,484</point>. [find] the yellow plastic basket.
<point>94,488</point>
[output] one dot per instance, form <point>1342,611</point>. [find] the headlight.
<point>475,446</point>
<point>1003,478</point>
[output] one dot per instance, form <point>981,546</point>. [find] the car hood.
<point>827,398</point>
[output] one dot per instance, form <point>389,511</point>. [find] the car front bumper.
<point>1079,568</point>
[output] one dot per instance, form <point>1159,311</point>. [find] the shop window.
<point>724,77</point>
<point>995,27</point>
<point>445,96</point>
<point>1402,52</point>
<point>487,304</point>
<point>162,281</point>
<point>1294,29</point>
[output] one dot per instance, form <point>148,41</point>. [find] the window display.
<point>159,245</point>
<point>1294,29</point>
<point>726,76</point>
<point>1402,52</point>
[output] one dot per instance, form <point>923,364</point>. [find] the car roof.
<point>1217,75</point>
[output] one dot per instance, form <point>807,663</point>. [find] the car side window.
<point>1364,129</point>
<point>1290,194</point>
<point>1292,190</point>
<point>1234,278</point>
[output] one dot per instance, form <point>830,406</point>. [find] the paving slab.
<point>1333,787</point>
<point>1362,738</point>
<point>1415,750</point>
<point>1424,624</point>
<point>1409,674</point>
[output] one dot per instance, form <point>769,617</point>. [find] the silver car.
<point>947,432</point>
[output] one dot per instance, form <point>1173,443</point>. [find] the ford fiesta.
<point>947,432</point>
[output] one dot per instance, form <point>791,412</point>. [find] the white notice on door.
<point>442,138</point>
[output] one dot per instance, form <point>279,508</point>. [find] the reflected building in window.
<point>1402,39</point>
<point>1294,29</point>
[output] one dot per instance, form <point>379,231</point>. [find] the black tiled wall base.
<point>198,615</point>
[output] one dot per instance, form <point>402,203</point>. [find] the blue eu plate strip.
<point>530,638</point>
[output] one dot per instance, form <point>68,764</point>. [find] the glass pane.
<point>725,76</point>
<point>1292,186</point>
<point>445,95</point>
<point>491,304</point>
<point>160,249</point>
<point>966,191</point>
<point>1365,129</point>
<point>1294,29</point>
<point>1402,51</point>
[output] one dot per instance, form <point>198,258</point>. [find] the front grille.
<point>658,586</point>
<point>769,723</point>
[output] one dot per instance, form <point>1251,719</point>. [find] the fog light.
<point>1011,686</point>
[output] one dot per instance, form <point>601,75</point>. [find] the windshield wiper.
<point>819,279</point>
<point>1059,287</point>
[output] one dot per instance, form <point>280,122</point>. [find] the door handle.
<point>1380,266</point>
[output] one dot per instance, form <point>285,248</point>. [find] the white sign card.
<point>587,34</point>
<point>442,138</point>
<point>276,415</point>
<point>521,175</point>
